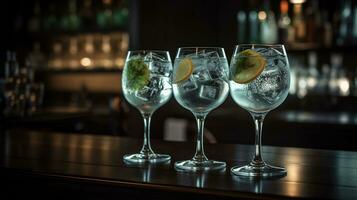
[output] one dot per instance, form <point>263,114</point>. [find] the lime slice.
<point>183,71</point>
<point>248,66</point>
<point>137,74</point>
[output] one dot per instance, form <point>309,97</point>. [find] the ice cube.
<point>152,90</point>
<point>216,69</point>
<point>143,94</point>
<point>201,74</point>
<point>160,68</point>
<point>158,64</point>
<point>214,65</point>
<point>269,52</point>
<point>273,56</point>
<point>209,92</point>
<point>156,82</point>
<point>279,61</point>
<point>189,85</point>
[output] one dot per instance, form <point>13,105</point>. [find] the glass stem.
<point>146,149</point>
<point>258,122</point>
<point>200,153</point>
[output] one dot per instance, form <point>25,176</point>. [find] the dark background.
<point>315,121</point>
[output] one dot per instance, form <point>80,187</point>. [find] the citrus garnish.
<point>183,71</point>
<point>137,74</point>
<point>248,66</point>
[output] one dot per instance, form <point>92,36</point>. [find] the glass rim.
<point>147,51</point>
<point>238,47</point>
<point>219,50</point>
<point>256,44</point>
<point>198,47</point>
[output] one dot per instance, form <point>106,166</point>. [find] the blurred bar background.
<point>61,64</point>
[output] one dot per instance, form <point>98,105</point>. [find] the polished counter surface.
<point>91,166</point>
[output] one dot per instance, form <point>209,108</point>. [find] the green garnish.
<point>138,74</point>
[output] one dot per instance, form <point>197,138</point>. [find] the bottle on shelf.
<point>105,14</point>
<point>299,23</point>
<point>336,65</point>
<point>354,25</point>
<point>30,71</point>
<point>326,30</point>
<point>242,26</point>
<point>70,20</point>
<point>36,58</point>
<point>344,29</point>
<point>120,13</point>
<point>50,22</point>
<point>312,21</point>
<point>268,26</point>
<point>119,49</point>
<point>11,72</point>
<point>87,15</point>
<point>105,56</point>
<point>313,74</point>
<point>56,59</point>
<point>32,92</point>
<point>34,23</point>
<point>340,79</point>
<point>87,56</point>
<point>323,83</point>
<point>72,57</point>
<point>343,83</point>
<point>300,78</point>
<point>253,23</point>
<point>284,23</point>
<point>11,67</point>
<point>16,79</point>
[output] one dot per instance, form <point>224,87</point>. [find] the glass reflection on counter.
<point>198,180</point>
<point>293,161</point>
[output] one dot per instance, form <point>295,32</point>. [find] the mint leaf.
<point>138,74</point>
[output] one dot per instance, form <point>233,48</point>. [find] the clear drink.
<point>205,89</point>
<point>259,82</point>
<point>146,84</point>
<point>267,91</point>
<point>200,84</point>
<point>155,94</point>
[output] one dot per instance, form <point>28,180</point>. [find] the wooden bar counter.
<point>59,165</point>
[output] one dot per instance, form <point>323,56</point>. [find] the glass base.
<point>191,165</point>
<point>146,158</point>
<point>259,171</point>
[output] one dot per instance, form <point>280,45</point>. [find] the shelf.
<point>303,47</point>
<point>49,34</point>
<point>335,118</point>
